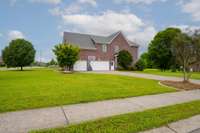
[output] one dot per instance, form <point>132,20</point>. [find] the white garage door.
<point>99,65</point>
<point>80,66</point>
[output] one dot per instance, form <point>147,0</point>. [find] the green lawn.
<point>195,75</point>
<point>133,122</point>
<point>46,87</point>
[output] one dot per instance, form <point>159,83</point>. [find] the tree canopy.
<point>66,55</point>
<point>159,49</point>
<point>19,53</point>
<point>186,50</point>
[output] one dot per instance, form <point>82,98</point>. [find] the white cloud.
<point>147,2</point>
<point>109,22</point>
<point>187,28</point>
<point>14,34</point>
<point>1,34</point>
<point>47,1</point>
<point>91,2</point>
<point>74,7</point>
<point>192,7</point>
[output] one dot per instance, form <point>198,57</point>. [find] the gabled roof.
<point>87,41</point>
<point>82,40</point>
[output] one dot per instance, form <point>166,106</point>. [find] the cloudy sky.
<point>43,21</point>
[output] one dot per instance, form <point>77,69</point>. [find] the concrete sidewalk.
<point>146,76</point>
<point>191,125</point>
<point>23,121</point>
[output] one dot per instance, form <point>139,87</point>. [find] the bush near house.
<point>124,59</point>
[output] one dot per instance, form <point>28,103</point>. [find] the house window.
<point>104,48</point>
<point>116,49</point>
<point>91,58</point>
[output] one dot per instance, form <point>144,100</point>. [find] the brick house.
<point>100,50</point>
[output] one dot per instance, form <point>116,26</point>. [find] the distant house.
<point>196,67</point>
<point>100,52</point>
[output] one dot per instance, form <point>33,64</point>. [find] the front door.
<point>112,65</point>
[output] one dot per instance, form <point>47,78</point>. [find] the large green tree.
<point>186,49</point>
<point>66,55</point>
<point>159,50</point>
<point>145,58</point>
<point>124,59</point>
<point>19,53</point>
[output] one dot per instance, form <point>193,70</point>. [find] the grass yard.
<point>195,75</point>
<point>133,122</point>
<point>46,87</point>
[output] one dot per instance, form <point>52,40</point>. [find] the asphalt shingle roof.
<point>87,41</point>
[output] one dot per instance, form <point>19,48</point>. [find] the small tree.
<point>187,52</point>
<point>19,53</point>
<point>140,65</point>
<point>52,62</point>
<point>124,59</point>
<point>66,55</point>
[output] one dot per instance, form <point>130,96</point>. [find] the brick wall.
<point>120,41</point>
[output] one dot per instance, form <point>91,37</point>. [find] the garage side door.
<point>100,65</point>
<point>80,66</point>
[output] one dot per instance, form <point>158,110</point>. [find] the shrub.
<point>124,59</point>
<point>140,65</point>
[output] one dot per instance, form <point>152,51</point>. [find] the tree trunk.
<point>21,68</point>
<point>184,75</point>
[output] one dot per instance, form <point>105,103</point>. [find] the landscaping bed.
<point>181,85</point>
<point>133,122</point>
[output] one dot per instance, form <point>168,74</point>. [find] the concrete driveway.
<point>146,76</point>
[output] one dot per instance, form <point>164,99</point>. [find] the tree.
<point>186,49</point>
<point>52,62</point>
<point>19,53</point>
<point>140,65</point>
<point>66,55</point>
<point>147,62</point>
<point>159,50</point>
<point>124,59</point>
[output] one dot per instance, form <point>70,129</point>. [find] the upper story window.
<point>116,48</point>
<point>104,48</point>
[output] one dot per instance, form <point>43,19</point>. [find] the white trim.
<point>123,37</point>
<point>114,37</point>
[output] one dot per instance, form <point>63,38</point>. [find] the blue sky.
<point>43,21</point>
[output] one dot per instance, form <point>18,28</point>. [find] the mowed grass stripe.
<point>46,87</point>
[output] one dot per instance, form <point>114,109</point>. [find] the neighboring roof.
<point>86,41</point>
